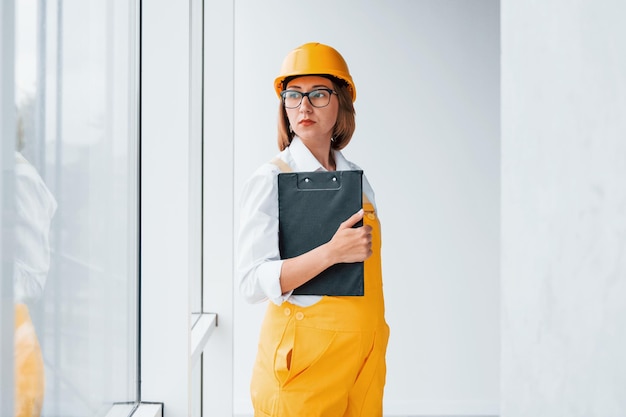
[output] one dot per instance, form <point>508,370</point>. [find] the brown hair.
<point>344,127</point>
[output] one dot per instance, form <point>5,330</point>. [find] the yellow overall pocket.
<point>300,351</point>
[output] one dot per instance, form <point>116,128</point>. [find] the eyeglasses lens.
<point>317,98</point>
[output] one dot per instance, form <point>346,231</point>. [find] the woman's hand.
<point>347,245</point>
<point>351,244</point>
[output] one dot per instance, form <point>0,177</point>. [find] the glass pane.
<point>75,278</point>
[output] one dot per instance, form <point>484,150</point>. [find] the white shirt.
<point>35,207</point>
<point>258,256</point>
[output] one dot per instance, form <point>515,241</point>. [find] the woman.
<point>318,355</point>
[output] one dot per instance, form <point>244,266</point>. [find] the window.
<point>76,170</point>
<point>111,133</point>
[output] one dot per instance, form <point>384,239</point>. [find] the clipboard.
<point>311,206</point>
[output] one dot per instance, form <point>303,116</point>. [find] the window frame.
<point>170,235</point>
<point>171,205</point>
<point>7,179</point>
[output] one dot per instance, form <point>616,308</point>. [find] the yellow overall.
<point>326,360</point>
<point>29,368</point>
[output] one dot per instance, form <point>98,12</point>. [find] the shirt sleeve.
<point>258,264</point>
<point>35,207</point>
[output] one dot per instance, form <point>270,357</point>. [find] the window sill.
<point>136,410</point>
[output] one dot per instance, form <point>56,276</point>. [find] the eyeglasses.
<point>318,98</point>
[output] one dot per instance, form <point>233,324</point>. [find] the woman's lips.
<point>306,122</point>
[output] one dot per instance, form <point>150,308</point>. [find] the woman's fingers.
<point>352,244</point>
<point>352,220</point>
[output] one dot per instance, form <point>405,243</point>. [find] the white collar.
<point>306,162</point>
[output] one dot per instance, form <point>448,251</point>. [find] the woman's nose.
<point>305,105</point>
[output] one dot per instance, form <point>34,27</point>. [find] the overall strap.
<point>282,165</point>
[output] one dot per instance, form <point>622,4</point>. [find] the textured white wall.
<point>564,209</point>
<point>427,77</point>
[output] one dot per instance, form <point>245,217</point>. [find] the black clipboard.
<point>311,206</point>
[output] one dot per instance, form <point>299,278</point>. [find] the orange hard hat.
<point>314,59</point>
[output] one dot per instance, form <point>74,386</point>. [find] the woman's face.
<point>308,122</point>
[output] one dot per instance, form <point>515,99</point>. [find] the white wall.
<point>564,209</point>
<point>427,77</point>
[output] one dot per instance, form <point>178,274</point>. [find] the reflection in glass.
<point>76,93</point>
<point>35,207</point>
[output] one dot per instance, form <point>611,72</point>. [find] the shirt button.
<point>371,216</point>
<point>299,315</point>
<point>287,311</point>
